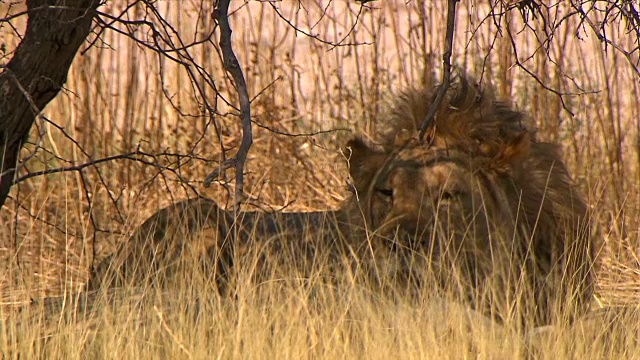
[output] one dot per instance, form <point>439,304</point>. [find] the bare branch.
<point>133,155</point>
<point>603,38</point>
<point>317,37</point>
<point>231,65</point>
<point>446,71</point>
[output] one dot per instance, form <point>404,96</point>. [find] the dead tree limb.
<point>221,16</point>
<point>446,69</point>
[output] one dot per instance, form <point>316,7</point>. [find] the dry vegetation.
<point>121,97</point>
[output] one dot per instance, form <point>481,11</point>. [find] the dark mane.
<point>468,117</point>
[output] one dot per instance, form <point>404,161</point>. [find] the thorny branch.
<point>231,65</point>
<point>594,16</point>
<point>446,70</point>
<point>633,19</point>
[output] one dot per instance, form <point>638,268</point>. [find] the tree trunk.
<point>37,71</point>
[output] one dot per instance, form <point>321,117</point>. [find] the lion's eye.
<point>386,192</point>
<point>449,195</point>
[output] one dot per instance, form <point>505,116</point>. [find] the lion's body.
<point>479,204</point>
<point>181,233</point>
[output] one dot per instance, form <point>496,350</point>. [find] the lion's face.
<point>426,190</point>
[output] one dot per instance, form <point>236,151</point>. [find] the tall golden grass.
<point>120,96</point>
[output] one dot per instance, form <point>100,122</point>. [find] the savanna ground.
<point>121,97</point>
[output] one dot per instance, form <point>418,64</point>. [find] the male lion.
<point>479,206</point>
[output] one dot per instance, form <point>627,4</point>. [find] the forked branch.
<point>221,16</point>
<point>446,69</point>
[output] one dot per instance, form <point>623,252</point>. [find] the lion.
<point>479,207</point>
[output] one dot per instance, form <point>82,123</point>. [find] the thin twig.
<point>446,72</point>
<point>307,134</point>
<point>231,65</point>
<point>317,37</point>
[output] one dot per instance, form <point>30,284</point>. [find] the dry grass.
<point>116,99</point>
<point>287,316</point>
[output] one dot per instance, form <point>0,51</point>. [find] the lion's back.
<point>198,231</point>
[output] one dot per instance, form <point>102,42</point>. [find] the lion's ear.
<point>512,154</point>
<point>364,162</point>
